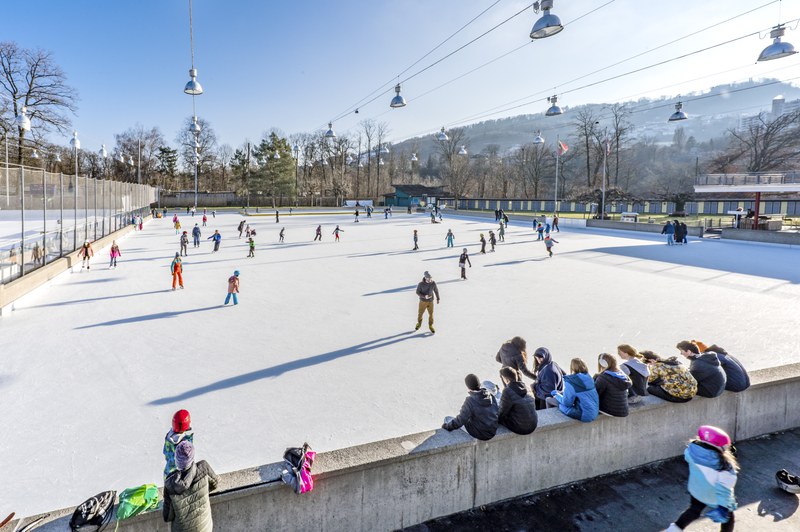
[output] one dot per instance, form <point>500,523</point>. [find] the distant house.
<point>416,196</point>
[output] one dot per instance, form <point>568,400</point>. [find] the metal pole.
<point>8,198</point>
<point>555,198</point>
<point>86,208</point>
<point>196,162</point>
<point>603,212</point>
<point>61,214</point>
<point>44,218</point>
<point>104,208</point>
<point>75,203</point>
<point>22,215</point>
<point>139,168</point>
<point>95,208</point>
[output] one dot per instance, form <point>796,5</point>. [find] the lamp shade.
<point>58,157</point>
<point>397,101</point>
<point>193,87</point>
<point>102,151</point>
<point>548,24</point>
<point>463,151</point>
<point>74,141</point>
<point>384,150</point>
<point>554,109</point>
<point>414,158</point>
<point>276,155</point>
<point>678,114</point>
<point>22,120</point>
<point>442,136</point>
<point>330,134</point>
<point>777,49</point>
<point>35,154</point>
<point>538,139</point>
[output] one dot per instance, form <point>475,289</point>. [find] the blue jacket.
<point>196,232</point>
<point>579,400</point>
<point>548,376</point>
<point>668,229</point>
<point>736,377</point>
<point>707,483</point>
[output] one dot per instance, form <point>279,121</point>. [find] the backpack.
<point>94,513</point>
<point>136,500</point>
<point>297,470</point>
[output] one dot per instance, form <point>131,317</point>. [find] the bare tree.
<point>621,127</point>
<point>32,79</point>
<point>138,140</point>
<point>381,131</point>
<point>368,127</point>
<point>768,144</point>
<point>456,174</point>
<point>586,130</point>
<point>224,158</point>
<point>206,148</point>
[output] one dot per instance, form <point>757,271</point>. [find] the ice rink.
<point>321,347</point>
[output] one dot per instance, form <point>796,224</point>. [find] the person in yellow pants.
<point>426,289</point>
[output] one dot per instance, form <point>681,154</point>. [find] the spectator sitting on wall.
<point>579,400</point>
<point>635,369</point>
<point>705,369</point>
<point>612,386</point>
<point>669,379</point>
<point>517,406</point>
<point>736,377</point>
<point>478,415</point>
<point>512,354</point>
<point>549,377</point>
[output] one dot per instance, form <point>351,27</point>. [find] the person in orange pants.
<point>177,270</point>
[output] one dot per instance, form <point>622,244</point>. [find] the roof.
<point>419,190</point>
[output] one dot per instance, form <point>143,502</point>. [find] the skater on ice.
<point>501,233</point>
<point>548,243</point>
<point>86,253</point>
<point>233,288</point>
<point>492,240</point>
<point>196,235</point>
<point>356,214</point>
<point>336,233</point>
<point>483,245</point>
<point>115,252</point>
<point>177,227</point>
<point>277,217</point>
<point>539,231</point>
<point>450,237</point>
<point>251,244</point>
<point>217,238</point>
<point>426,290</point>
<point>241,228</point>
<point>181,431</point>
<point>463,260</point>
<point>318,235</point>
<point>184,244</point>
<point>205,219</point>
<point>176,269</point>
<point>416,241</point>
<point>280,235</point>
<point>555,223</point>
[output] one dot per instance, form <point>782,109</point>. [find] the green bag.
<point>136,500</point>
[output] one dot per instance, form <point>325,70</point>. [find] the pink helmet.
<point>713,435</point>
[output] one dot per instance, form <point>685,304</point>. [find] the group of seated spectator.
<point>611,391</point>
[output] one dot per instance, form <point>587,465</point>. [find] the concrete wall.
<point>764,237</point>
<point>399,482</point>
<point>10,292</point>
<point>638,226</point>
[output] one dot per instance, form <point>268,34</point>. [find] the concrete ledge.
<point>11,292</point>
<point>638,226</point>
<point>403,481</point>
<point>763,237</point>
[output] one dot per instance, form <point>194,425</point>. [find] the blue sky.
<point>295,65</point>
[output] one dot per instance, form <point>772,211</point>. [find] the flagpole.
<point>555,198</point>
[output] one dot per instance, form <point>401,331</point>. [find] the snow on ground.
<point>321,347</point>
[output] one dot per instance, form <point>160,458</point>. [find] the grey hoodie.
<point>638,373</point>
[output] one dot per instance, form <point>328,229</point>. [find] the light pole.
<point>296,152</point>
<point>76,145</point>
<point>23,124</point>
<point>193,88</point>
<point>195,130</point>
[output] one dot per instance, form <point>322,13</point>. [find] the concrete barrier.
<point>403,481</point>
<point>695,231</point>
<point>11,292</point>
<point>763,237</point>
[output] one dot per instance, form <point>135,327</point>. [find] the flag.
<point>562,147</point>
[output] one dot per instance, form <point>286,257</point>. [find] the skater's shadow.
<point>147,317</point>
<point>512,262</point>
<point>99,280</point>
<point>92,299</point>
<point>280,369</point>
<point>405,288</point>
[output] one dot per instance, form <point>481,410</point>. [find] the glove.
<point>719,514</point>
<point>553,393</point>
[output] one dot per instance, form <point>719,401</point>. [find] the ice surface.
<point>321,347</point>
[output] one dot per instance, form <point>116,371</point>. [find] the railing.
<point>44,216</point>
<point>754,178</point>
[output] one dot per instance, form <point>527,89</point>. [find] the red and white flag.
<point>562,147</point>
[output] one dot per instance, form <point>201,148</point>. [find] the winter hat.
<point>184,455</point>
<point>427,275</point>
<point>177,254</point>
<point>236,273</point>
<point>472,381</point>
<point>541,352</point>
<point>700,345</point>
<point>465,250</point>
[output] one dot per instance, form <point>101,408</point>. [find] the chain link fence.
<point>44,215</point>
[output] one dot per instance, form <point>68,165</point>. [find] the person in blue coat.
<point>196,234</point>
<point>549,377</point>
<point>669,230</point>
<point>736,377</point>
<point>579,400</point>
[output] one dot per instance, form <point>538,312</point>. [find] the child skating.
<point>86,253</point>
<point>205,219</point>
<point>416,241</point>
<point>501,233</point>
<point>217,238</point>
<point>177,226</point>
<point>336,233</point>
<point>240,228</point>
<point>483,245</point>
<point>184,244</point>
<point>463,260</point>
<point>252,245</point>
<point>181,431</point>
<point>115,252</point>
<point>233,288</point>
<point>176,269</point>
<point>356,214</point>
<point>450,237</point>
<point>548,242</point>
<point>492,240</point>
<point>280,235</point>
<point>318,235</point>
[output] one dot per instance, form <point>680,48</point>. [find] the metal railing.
<point>754,178</point>
<point>44,215</point>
